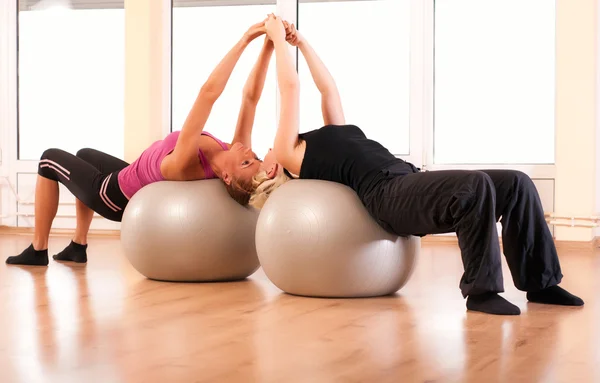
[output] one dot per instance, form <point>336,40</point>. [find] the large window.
<point>366,47</point>
<point>202,35</point>
<point>494,81</point>
<point>71,76</point>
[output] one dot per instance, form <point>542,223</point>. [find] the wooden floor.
<point>105,323</point>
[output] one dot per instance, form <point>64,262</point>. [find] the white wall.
<point>147,73</point>
<point>597,175</point>
<point>576,142</point>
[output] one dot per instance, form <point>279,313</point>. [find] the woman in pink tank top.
<point>104,184</point>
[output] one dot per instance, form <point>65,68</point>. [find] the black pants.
<point>92,177</point>
<point>470,203</point>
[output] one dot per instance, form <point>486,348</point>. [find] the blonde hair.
<point>240,191</point>
<point>263,186</point>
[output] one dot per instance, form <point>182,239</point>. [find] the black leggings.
<point>470,203</point>
<point>92,177</point>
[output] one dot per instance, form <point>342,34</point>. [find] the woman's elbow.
<point>250,96</point>
<point>208,93</point>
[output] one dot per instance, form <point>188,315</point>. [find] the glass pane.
<point>199,43</point>
<point>366,47</point>
<point>71,79</point>
<point>494,81</point>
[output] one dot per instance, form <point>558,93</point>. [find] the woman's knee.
<point>474,195</point>
<point>481,183</point>
<point>50,165</point>
<point>521,181</point>
<point>51,154</point>
<point>84,153</point>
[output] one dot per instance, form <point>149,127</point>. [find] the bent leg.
<point>77,250</point>
<point>527,241</point>
<point>448,201</point>
<point>82,179</point>
<point>528,244</point>
<point>46,206</point>
<point>105,163</point>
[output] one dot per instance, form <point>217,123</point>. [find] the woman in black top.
<point>405,201</point>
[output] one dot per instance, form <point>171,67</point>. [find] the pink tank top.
<point>146,169</point>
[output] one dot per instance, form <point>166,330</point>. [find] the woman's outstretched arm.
<point>331,104</point>
<point>287,149</point>
<point>252,92</point>
<point>186,150</point>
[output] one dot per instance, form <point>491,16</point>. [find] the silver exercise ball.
<point>189,232</point>
<point>315,238</point>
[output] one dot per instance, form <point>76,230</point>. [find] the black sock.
<point>554,295</point>
<point>30,256</point>
<point>74,252</point>
<point>491,303</point>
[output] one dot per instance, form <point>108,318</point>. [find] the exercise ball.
<point>315,238</point>
<point>189,231</point>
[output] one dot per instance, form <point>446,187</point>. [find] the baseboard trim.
<point>430,239</point>
<point>59,232</point>
<point>442,239</point>
<point>577,245</point>
<point>565,245</point>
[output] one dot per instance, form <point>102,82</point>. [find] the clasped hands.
<point>276,29</point>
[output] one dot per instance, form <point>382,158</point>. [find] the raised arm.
<point>251,95</point>
<point>186,150</point>
<point>286,147</point>
<point>331,104</point>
